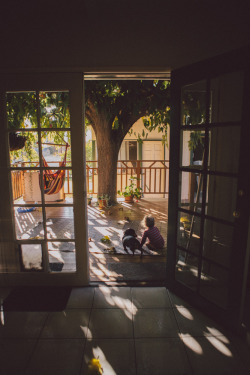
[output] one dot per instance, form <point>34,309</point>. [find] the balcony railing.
<point>152,176</point>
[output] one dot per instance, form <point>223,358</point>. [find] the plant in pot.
<point>103,200</point>
<point>89,199</point>
<point>131,191</point>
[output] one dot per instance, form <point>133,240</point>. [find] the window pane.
<point>218,239</point>
<point>60,223</point>
<point>224,149</point>
<point>54,109</point>
<point>191,191</point>
<point>28,154</point>
<point>214,283</point>
<point>28,223</point>
<point>21,110</point>
<point>31,256</point>
<point>54,147</point>
<point>192,148</point>
<point>186,270</point>
<point>193,103</point>
<point>62,256</point>
<point>226,97</point>
<point>188,235</point>
<point>221,197</point>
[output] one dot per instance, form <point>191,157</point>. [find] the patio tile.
<point>161,357</point>
<point>116,356</point>
<point>15,355</point>
<point>156,297</point>
<point>53,357</point>
<point>67,324</point>
<point>81,298</point>
<point>211,355</point>
<point>155,323</point>
<point>110,324</point>
<point>112,297</point>
<point>22,324</point>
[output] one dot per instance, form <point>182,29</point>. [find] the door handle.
<point>236,214</point>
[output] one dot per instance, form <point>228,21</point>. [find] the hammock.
<point>54,181</point>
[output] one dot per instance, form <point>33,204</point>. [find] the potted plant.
<point>103,200</point>
<point>131,191</point>
<point>89,199</point>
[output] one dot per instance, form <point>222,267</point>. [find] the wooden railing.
<point>152,177</point>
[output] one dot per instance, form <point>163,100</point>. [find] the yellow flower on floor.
<point>105,239</point>
<point>94,367</point>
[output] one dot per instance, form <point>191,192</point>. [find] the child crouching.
<point>155,239</point>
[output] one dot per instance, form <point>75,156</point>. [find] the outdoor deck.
<point>107,266</point>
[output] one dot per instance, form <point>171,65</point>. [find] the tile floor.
<point>133,331</point>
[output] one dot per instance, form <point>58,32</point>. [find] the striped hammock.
<point>53,181</point>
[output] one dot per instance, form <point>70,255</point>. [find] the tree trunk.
<point>108,147</point>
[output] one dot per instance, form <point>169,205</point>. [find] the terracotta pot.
<point>129,199</point>
<point>103,203</point>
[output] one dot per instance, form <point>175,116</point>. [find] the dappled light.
<point>218,345</point>
<point>193,344</point>
<point>186,313</point>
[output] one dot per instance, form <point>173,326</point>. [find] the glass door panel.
<point>208,121</point>
<point>41,128</point>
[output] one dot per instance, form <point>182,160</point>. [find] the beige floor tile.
<point>117,356</point>
<point>194,323</point>
<point>112,297</point>
<point>14,354</point>
<point>67,324</point>
<point>213,355</point>
<point>150,297</point>
<point>56,357</point>
<point>161,357</point>
<point>22,324</point>
<point>155,323</point>
<point>110,323</point>
<point>81,298</point>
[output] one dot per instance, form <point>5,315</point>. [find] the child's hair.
<point>149,221</point>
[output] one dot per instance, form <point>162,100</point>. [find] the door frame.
<point>206,70</point>
<point>72,82</point>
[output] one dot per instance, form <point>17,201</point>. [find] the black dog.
<point>129,240</point>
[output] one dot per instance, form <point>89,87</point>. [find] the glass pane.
<point>193,103</point>
<point>28,223</point>
<point>17,182</point>
<point>21,110</point>
<point>54,109</point>
<point>188,235</point>
<point>60,223</point>
<point>226,97</point>
<point>53,185</point>
<point>32,257</point>
<point>221,197</point>
<point>214,283</point>
<point>186,270</point>
<point>55,147</point>
<point>224,149</point>
<point>192,148</point>
<point>191,191</point>
<point>62,256</point>
<point>68,186</point>
<point>31,187</point>
<point>28,154</point>
<point>218,239</point>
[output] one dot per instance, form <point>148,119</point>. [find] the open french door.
<point>43,235</point>
<point>209,184</point>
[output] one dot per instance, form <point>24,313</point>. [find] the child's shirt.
<point>154,236</point>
